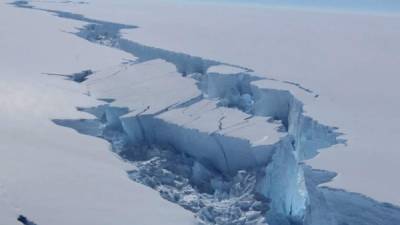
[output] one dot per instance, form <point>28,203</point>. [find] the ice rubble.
<point>222,144</point>
<point>181,179</point>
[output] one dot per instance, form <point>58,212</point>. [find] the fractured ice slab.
<point>193,119</point>
<point>231,139</point>
<point>206,116</point>
<point>167,108</point>
<point>153,86</point>
<point>190,118</point>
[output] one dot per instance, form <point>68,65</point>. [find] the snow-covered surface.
<point>155,86</point>
<point>322,70</point>
<point>349,60</point>
<point>50,174</point>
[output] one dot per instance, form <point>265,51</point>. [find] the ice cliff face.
<point>224,145</point>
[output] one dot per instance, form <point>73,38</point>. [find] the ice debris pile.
<point>215,198</point>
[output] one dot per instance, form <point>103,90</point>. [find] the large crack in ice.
<point>107,33</point>
<point>225,191</point>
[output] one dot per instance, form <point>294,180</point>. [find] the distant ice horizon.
<point>368,6</point>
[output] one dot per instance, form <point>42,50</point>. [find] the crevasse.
<point>222,178</point>
<point>280,175</point>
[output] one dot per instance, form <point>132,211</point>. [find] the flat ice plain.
<point>342,66</point>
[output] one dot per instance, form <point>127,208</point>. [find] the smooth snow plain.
<point>312,53</point>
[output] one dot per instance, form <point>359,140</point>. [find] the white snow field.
<point>235,114</point>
